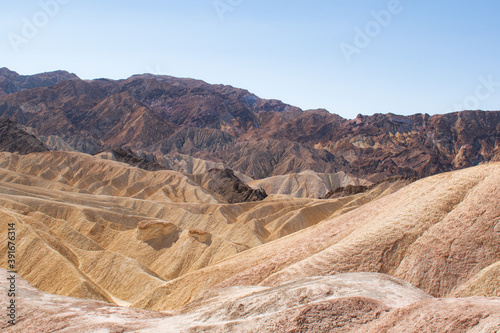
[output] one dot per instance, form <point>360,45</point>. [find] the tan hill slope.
<point>98,176</point>
<point>444,219</point>
<point>101,229</point>
<point>43,312</point>
<point>104,230</point>
<point>307,184</point>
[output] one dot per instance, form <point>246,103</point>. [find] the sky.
<point>349,57</point>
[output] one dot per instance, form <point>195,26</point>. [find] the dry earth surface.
<point>353,302</point>
<point>401,256</point>
<point>85,223</point>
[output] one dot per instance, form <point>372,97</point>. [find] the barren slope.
<point>444,219</point>
<point>355,302</point>
<point>307,184</point>
<point>104,230</point>
<point>101,229</point>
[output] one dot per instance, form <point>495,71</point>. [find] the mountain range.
<point>160,116</point>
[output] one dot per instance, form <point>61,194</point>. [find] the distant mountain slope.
<point>11,82</point>
<point>257,137</point>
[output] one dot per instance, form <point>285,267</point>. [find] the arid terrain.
<point>157,204</point>
<point>162,117</point>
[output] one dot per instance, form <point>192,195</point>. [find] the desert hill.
<point>307,184</point>
<point>85,223</point>
<point>442,219</point>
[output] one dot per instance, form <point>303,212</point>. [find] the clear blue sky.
<point>432,57</point>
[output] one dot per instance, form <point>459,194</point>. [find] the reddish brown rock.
<point>258,137</point>
<point>224,183</point>
<point>15,139</point>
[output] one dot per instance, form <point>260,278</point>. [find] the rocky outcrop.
<point>148,230</point>
<point>200,235</point>
<point>348,190</point>
<point>15,139</point>
<point>224,183</point>
<point>127,156</point>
